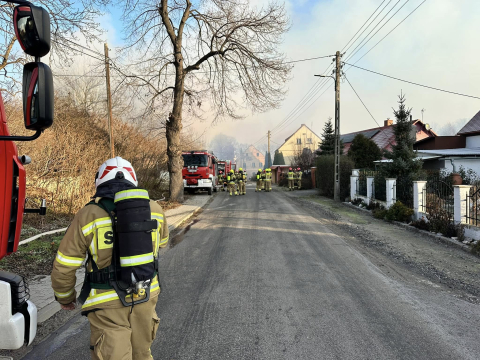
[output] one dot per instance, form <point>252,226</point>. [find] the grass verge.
<point>34,258</point>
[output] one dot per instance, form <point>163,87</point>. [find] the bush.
<point>357,201</point>
<point>439,219</point>
<point>399,212</point>
<point>421,224</point>
<point>325,177</point>
<point>379,213</point>
<point>374,205</point>
<point>476,249</point>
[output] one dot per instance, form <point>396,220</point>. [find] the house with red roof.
<point>384,136</point>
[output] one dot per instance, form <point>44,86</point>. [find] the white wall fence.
<point>460,195</point>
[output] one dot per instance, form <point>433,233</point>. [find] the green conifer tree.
<point>403,156</point>
<point>278,159</point>
<point>328,139</point>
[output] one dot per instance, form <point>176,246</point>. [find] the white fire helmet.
<point>110,168</point>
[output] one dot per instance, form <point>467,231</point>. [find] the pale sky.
<point>436,46</point>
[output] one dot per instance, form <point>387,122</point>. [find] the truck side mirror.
<point>37,96</point>
<point>32,28</point>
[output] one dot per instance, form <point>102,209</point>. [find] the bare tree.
<point>68,20</point>
<point>223,51</point>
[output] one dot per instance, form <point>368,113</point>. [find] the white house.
<point>451,152</point>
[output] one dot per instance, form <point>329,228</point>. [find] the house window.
<point>258,154</point>
<point>299,141</point>
<point>309,141</point>
<point>245,165</point>
<point>253,165</point>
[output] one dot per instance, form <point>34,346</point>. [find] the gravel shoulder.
<point>396,249</point>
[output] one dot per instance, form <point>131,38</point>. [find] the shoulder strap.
<point>106,204</point>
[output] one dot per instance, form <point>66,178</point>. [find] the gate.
<point>473,205</point>
<point>438,196</point>
<point>403,190</point>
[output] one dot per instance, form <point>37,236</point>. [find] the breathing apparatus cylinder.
<point>134,239</point>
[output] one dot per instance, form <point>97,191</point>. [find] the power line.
<point>313,102</point>
<point>371,37</point>
<point>80,51</point>
<point>303,102</point>
<point>373,20</point>
<point>390,31</point>
<point>361,100</point>
<point>300,107</point>
<point>310,93</point>
<point>361,42</point>
<point>414,83</point>
<point>363,25</point>
<point>84,47</point>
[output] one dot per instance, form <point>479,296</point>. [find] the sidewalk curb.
<point>53,307</point>
<point>413,229</point>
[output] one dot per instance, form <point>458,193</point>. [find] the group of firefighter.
<point>235,181</point>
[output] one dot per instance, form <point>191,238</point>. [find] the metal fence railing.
<point>380,188</point>
<point>438,196</point>
<point>473,205</point>
<point>403,191</point>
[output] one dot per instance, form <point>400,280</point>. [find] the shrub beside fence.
<point>325,177</point>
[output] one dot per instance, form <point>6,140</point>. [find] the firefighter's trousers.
<point>263,184</point>
<point>259,185</point>
<point>299,184</point>
<point>268,185</point>
<point>241,188</point>
<point>123,333</point>
<point>232,187</point>
<point>291,184</point>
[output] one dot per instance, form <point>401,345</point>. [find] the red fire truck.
<point>18,316</point>
<point>200,171</point>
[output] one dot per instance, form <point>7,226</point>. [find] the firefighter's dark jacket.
<point>91,230</point>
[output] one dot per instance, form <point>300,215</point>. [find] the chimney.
<point>388,122</point>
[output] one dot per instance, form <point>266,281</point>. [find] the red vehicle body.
<point>12,191</point>
<point>224,166</point>
<point>199,171</point>
<point>18,315</point>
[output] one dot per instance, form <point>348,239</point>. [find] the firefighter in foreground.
<point>241,182</point>
<point>120,231</point>
<point>268,180</point>
<point>259,180</point>
<point>231,183</point>
<point>298,175</point>
<point>291,179</point>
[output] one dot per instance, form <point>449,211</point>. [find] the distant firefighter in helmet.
<point>268,180</point>
<point>241,182</point>
<point>221,180</point>
<point>291,179</point>
<point>120,231</point>
<point>259,180</point>
<point>298,177</point>
<point>232,186</point>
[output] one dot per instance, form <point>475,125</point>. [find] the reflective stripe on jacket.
<point>291,175</point>
<point>91,231</point>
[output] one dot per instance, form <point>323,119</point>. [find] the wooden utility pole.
<point>338,74</point>
<point>268,153</point>
<point>109,100</point>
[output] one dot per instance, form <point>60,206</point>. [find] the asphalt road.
<point>258,277</point>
